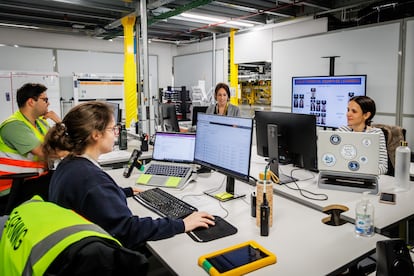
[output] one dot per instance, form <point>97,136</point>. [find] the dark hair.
<point>367,105</point>
<point>222,85</point>
<point>29,91</point>
<point>73,134</point>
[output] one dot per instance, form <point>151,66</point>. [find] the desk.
<point>385,214</point>
<point>302,243</point>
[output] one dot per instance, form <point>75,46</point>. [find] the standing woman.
<point>223,106</point>
<point>79,183</point>
<point>361,111</point>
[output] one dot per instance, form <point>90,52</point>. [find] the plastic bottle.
<point>122,138</point>
<point>364,217</point>
<point>402,166</point>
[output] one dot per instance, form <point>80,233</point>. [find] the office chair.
<point>393,136</point>
<point>24,187</point>
<point>99,256</point>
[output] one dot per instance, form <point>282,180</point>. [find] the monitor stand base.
<point>224,196</point>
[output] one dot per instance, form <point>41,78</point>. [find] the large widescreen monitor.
<point>296,137</point>
<point>326,97</point>
<point>224,144</point>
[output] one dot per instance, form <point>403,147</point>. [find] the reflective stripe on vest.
<point>12,161</point>
<point>37,232</point>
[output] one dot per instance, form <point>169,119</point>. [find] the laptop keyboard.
<point>164,204</point>
<point>167,170</point>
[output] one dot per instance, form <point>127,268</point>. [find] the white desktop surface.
<point>385,214</point>
<point>122,156</point>
<point>302,244</point>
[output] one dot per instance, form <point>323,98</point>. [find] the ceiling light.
<point>202,17</point>
<point>18,26</point>
<point>212,20</point>
<point>241,24</point>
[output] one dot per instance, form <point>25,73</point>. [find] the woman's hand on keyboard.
<point>198,219</point>
<point>136,190</point>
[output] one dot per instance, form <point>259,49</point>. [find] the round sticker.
<point>353,166</point>
<point>335,139</point>
<point>363,159</point>
<point>328,159</point>
<point>366,142</point>
<point>348,152</point>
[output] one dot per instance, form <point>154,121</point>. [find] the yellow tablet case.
<point>208,261</point>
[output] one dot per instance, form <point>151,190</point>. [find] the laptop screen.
<point>174,147</point>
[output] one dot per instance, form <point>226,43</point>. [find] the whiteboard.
<point>369,50</point>
<point>189,69</point>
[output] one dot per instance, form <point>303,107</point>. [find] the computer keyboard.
<point>164,204</point>
<point>168,170</point>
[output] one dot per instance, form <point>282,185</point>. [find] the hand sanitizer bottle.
<point>364,217</point>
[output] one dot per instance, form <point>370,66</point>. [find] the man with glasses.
<point>21,137</point>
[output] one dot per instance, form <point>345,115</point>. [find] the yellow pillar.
<point>234,71</point>
<point>130,71</point>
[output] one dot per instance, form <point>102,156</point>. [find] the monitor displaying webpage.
<point>224,143</point>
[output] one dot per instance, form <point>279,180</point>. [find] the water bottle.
<point>364,217</point>
<point>122,138</point>
<point>402,166</point>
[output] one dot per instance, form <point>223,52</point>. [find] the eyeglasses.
<point>46,100</point>
<point>114,129</point>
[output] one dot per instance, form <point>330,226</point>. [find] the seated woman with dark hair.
<point>361,111</point>
<point>222,106</point>
<point>79,183</point>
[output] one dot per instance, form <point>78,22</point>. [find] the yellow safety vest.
<point>11,161</point>
<point>36,232</point>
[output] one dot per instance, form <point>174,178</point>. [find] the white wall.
<point>256,45</point>
<point>200,49</point>
<point>374,50</point>
<point>408,89</point>
<point>89,55</point>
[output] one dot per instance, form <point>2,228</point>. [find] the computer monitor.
<point>223,144</point>
<point>169,117</point>
<point>326,97</point>
<point>197,109</point>
<point>117,112</point>
<point>296,137</point>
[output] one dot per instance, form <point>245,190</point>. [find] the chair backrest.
<point>393,136</point>
<point>98,256</point>
<point>24,187</point>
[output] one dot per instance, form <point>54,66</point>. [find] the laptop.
<point>172,160</point>
<point>348,152</point>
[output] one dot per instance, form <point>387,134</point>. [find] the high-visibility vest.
<point>36,232</point>
<point>11,161</point>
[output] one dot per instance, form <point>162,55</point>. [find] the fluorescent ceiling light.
<point>18,26</point>
<point>210,19</point>
<point>241,24</point>
<point>202,17</point>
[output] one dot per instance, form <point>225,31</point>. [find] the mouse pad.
<point>220,230</point>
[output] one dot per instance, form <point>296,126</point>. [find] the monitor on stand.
<point>223,144</point>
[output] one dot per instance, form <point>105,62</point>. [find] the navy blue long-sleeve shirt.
<point>80,185</point>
